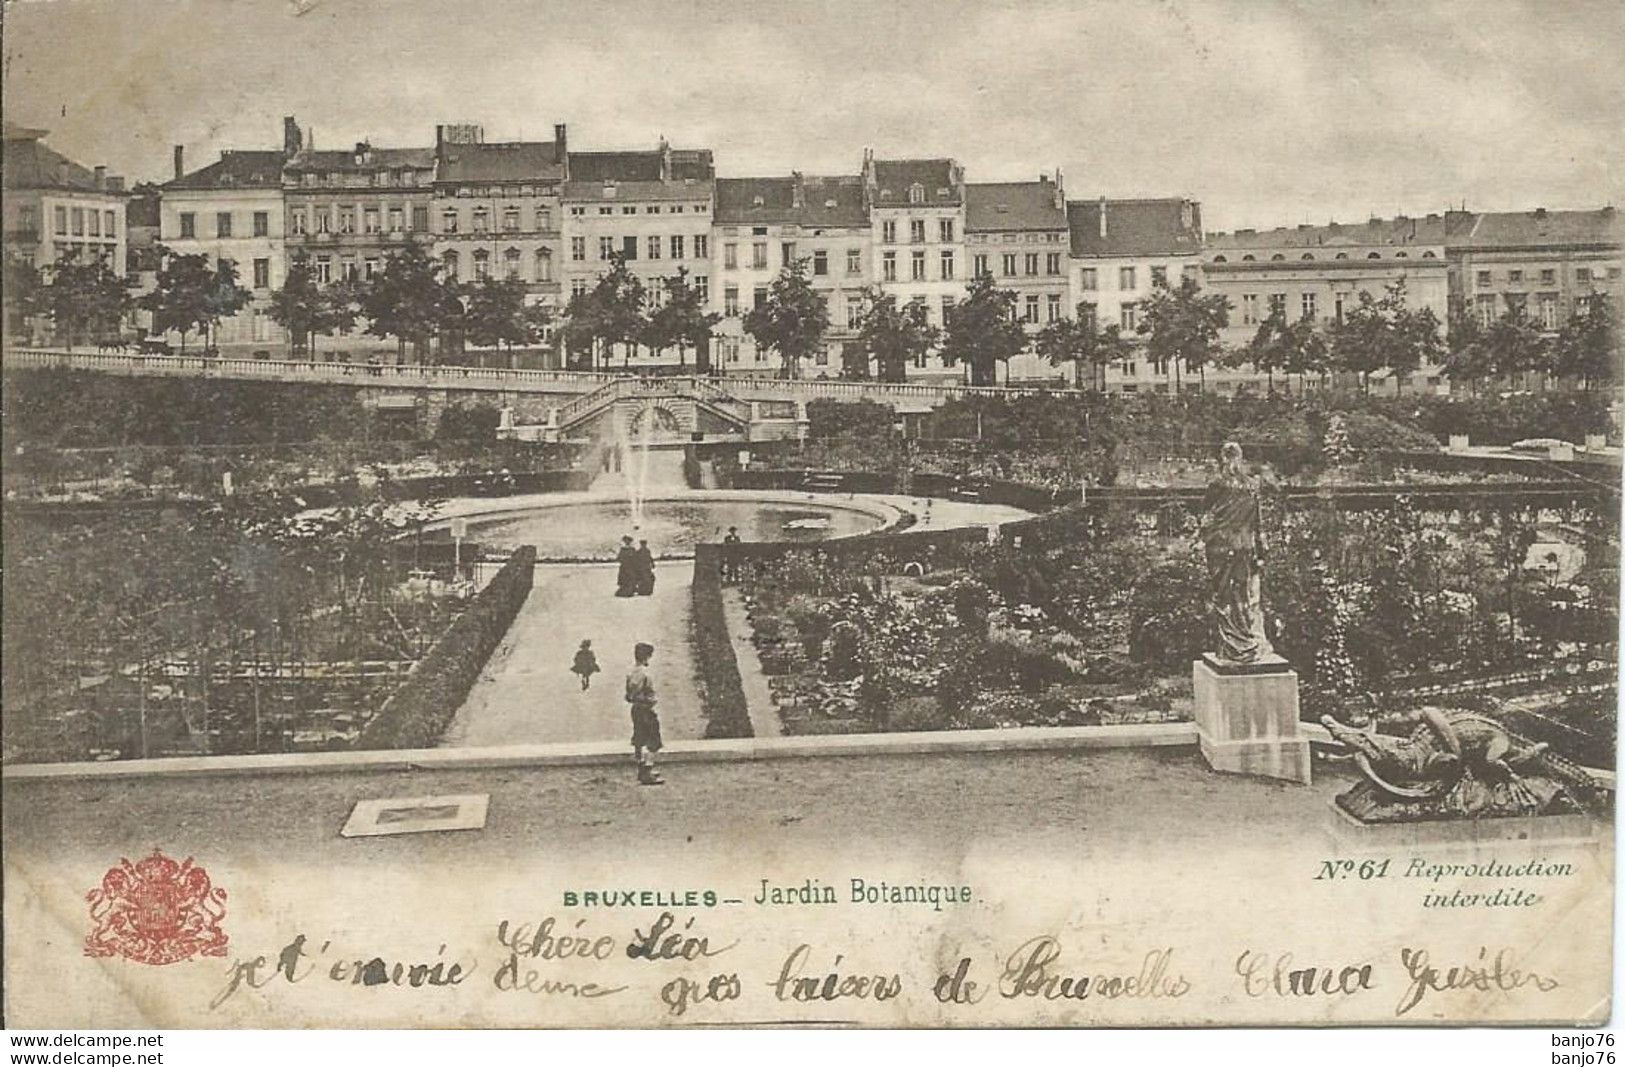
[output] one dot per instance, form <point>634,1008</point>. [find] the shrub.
<point>722,691</point>
<point>1168,619</point>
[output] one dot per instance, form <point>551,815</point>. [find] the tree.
<point>190,296</point>
<point>495,315</point>
<point>1183,325</point>
<point>981,330</point>
<point>614,311</point>
<point>681,320</point>
<point>1288,347</point>
<point>892,336</point>
<point>23,292</point>
<point>1306,350</point>
<point>301,306</point>
<point>792,320</point>
<point>1512,345</point>
<point>1081,342</point>
<point>83,298</point>
<point>1587,347</point>
<point>407,300</point>
<point>1467,358</point>
<point>1384,335</point>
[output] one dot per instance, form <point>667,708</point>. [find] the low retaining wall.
<point>417,714</point>
<point>722,691</point>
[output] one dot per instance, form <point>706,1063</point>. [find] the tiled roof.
<point>1522,229</point>
<point>992,206</point>
<point>893,177</point>
<point>338,159</point>
<point>511,161</point>
<point>643,166</point>
<point>29,164</point>
<point>825,201</point>
<point>1398,232</point>
<point>1135,227</point>
<point>634,191</point>
<point>235,170</point>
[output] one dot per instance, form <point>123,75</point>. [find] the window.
<point>262,274</point>
<point>296,223</point>
<point>1159,276</point>
<point>61,214</point>
<point>347,268</point>
<point>730,301</point>
<point>730,255</point>
<point>916,193</point>
<point>606,211</point>
<point>370,222</point>
<point>578,287</point>
<point>758,255</point>
<point>1548,311</point>
<point>1125,279</point>
<point>606,247</point>
<point>916,231</point>
<point>510,219</point>
<point>1052,264</point>
<point>947,306</point>
<point>482,265</point>
<point>420,217</point>
<point>1007,264</point>
<point>347,220</point>
<point>854,261</point>
<point>111,229</point>
<point>1581,274</point>
<point>578,211</point>
<point>979,265</point>
<point>1088,279</point>
<point>1031,263</point>
<point>702,288</point>
<point>629,248</point>
<point>397,220</point>
<point>324,220</point>
<point>79,222</point>
<point>787,253</point>
<point>945,230</point>
<point>677,246</point>
<point>702,246</point>
<point>448,220</point>
<point>1053,311</point>
<point>1307,303</point>
<point>1548,276</point>
<point>653,245</point>
<point>324,269</point>
<point>188,223</point>
<point>888,232</point>
<point>510,263</point>
<point>96,224</point>
<point>1030,314</point>
<point>1337,307</point>
<point>916,269</point>
<point>544,265</point>
<point>1486,309</point>
<point>758,296</point>
<point>1515,277</point>
<point>482,220</point>
<point>820,263</point>
<point>578,249</point>
<point>369,266</point>
<point>1128,317</point>
<point>1278,304</point>
<point>652,209</point>
<point>1129,371</point>
<point>947,265</point>
<point>1249,309</point>
<point>854,313</point>
<point>1088,314</point>
<point>888,266</point>
<point>544,218</point>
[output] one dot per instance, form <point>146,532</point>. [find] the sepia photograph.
<point>550,514</point>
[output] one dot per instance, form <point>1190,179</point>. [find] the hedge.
<point>417,713</point>
<point>722,693</point>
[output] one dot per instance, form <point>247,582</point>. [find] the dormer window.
<point>942,192</point>
<point>1307,255</point>
<point>916,193</point>
<point>1373,255</point>
<point>1277,257</point>
<point>829,204</point>
<point>756,201</point>
<point>609,190</point>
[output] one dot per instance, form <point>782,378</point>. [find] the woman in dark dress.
<point>626,572</point>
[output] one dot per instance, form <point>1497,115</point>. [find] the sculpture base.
<point>1247,718</point>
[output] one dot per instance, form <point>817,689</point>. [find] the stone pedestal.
<point>1247,718</point>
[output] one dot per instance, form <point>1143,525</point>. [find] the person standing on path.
<point>585,664</point>
<point>640,694</point>
<point>626,573</point>
<point>730,555</point>
<point>645,569</point>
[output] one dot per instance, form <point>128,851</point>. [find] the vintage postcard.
<point>921,514</point>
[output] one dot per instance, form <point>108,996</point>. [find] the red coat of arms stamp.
<point>156,911</point>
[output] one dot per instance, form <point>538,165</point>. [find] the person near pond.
<point>730,555</point>
<point>645,566</point>
<point>585,664</point>
<point>640,695</point>
<point>1232,540</point>
<point>626,573</point>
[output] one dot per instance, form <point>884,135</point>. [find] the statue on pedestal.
<point>1233,542</point>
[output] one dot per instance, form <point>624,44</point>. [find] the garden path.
<point>526,693</point>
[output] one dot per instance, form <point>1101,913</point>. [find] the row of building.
<point>553,216</point>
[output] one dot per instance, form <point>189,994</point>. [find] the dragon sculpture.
<point>1439,763</point>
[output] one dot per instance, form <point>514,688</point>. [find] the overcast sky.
<point>1269,112</point>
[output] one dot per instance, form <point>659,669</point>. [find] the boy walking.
<point>640,694</point>
<point>586,664</point>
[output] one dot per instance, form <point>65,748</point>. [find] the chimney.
<point>561,148</point>
<point>439,137</point>
<point>665,159</point>
<point>798,192</point>
<point>101,176</point>
<point>362,151</point>
<point>180,166</point>
<point>1102,218</point>
<point>1060,192</point>
<point>292,142</point>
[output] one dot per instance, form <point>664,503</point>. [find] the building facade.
<point>763,224</point>
<point>56,209</point>
<point>1319,273</point>
<point>497,210</point>
<point>1544,263</point>
<point>653,208</point>
<point>1121,250</point>
<point>1017,233</point>
<point>917,239</point>
<point>232,210</point>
